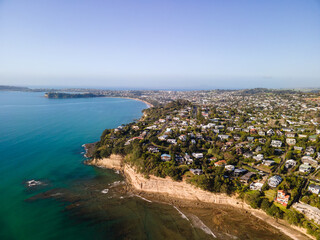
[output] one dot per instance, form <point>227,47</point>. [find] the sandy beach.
<point>149,105</point>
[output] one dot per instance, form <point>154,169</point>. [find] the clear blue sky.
<point>160,44</point>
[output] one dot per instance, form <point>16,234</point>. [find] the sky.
<point>167,44</point>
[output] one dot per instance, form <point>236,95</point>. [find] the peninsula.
<point>257,149</point>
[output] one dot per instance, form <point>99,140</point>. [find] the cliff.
<point>184,191</point>
<point>175,189</point>
<point>113,162</point>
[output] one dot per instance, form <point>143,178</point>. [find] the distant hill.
<point>72,95</point>
<point>13,88</point>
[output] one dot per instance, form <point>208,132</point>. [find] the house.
<point>279,133</point>
<point>229,168</point>
<point>287,129</point>
<point>310,151</point>
<point>179,159</point>
<point>314,188</point>
<point>282,198</point>
<point>247,155</point>
<point>236,137</point>
<point>261,133</point>
<point>256,186</point>
<point>305,168</point>
<point>262,140</point>
<point>163,137</point>
<point>220,163</point>
<point>313,138</point>
<point>291,141</point>
<point>172,141</point>
<point>183,138</point>
<point>230,129</point>
<point>296,148</point>
<point>247,177</point>
<point>258,157</point>
<point>268,162</point>
<point>258,149</point>
<point>302,136</point>
<point>223,137</point>
<point>168,131</point>
<point>135,127</point>
<point>166,157</point>
<point>270,132</point>
<point>162,120</point>
<point>309,160</point>
<point>274,181</point>
<point>216,131</point>
<point>250,139</point>
<point>197,155</point>
<point>253,131</point>
<point>239,171</point>
<point>276,143</point>
<point>153,149</point>
<point>290,163</point>
<point>290,135</point>
<point>196,171</point>
<point>188,159</point>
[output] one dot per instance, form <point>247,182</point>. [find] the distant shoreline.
<point>149,105</point>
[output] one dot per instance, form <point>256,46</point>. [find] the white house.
<point>276,143</point>
<point>314,188</point>
<point>274,181</point>
<point>197,155</point>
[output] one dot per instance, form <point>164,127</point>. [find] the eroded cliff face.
<point>115,161</point>
<point>166,186</point>
<point>185,191</point>
<point>175,189</point>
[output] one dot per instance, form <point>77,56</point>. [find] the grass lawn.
<point>277,160</point>
<point>283,208</point>
<point>270,194</point>
<point>249,168</point>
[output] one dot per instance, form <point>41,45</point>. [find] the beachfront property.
<point>282,197</point>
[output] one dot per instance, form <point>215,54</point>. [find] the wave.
<point>143,198</point>
<point>181,213</point>
<point>196,222</point>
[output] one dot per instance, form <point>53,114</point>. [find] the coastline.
<point>149,105</point>
<point>182,194</point>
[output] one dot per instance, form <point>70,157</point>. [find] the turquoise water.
<point>41,139</point>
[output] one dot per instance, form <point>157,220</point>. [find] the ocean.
<point>41,139</point>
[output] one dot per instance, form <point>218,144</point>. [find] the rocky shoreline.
<point>183,194</point>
